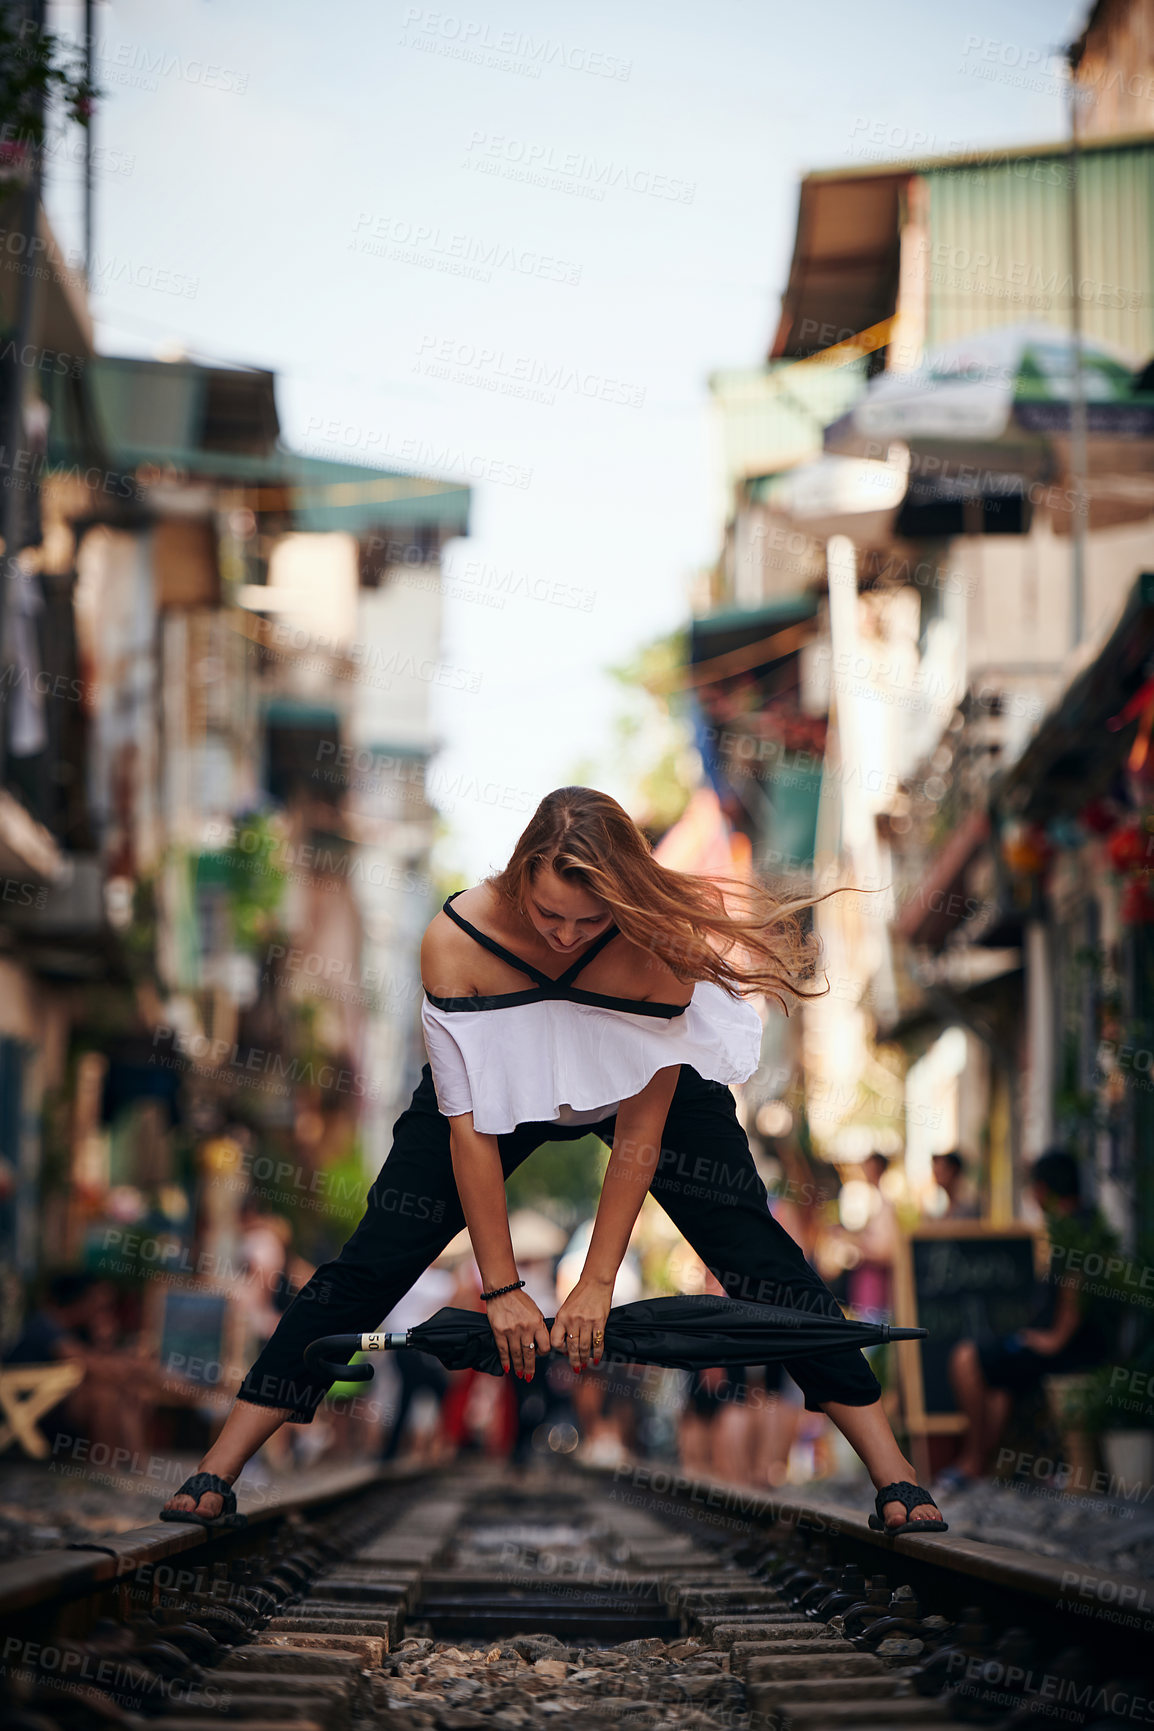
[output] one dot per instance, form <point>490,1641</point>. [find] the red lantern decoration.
<point>1100,817</point>
<point>1131,848</point>
<point>1137,904</point>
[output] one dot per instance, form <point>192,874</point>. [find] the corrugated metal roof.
<point>981,156</point>
<point>1008,204</point>
<point>773,417</point>
<point>999,246</point>
<point>843,277</point>
<point>220,424</point>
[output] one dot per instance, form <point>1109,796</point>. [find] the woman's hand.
<point>579,1328</point>
<point>519,1330</point>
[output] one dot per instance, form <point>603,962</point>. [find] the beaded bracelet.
<point>500,1291</point>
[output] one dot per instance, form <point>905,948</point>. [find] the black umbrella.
<point>685,1333</point>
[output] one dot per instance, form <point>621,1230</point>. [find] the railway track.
<point>579,1598</point>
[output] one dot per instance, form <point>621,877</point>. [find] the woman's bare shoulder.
<point>638,967</point>
<point>447,956</point>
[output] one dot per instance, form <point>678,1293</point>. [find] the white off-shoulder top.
<point>556,1053</point>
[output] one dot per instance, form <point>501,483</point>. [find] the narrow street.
<point>576,865</point>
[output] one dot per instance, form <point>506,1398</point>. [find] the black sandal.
<point>912,1497</point>
<point>196,1487</point>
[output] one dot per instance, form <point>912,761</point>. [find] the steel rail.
<point>89,1565</point>
<point>330,1605</point>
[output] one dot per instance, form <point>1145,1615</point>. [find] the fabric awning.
<point>931,911</point>
<point>1074,756</point>
<point>737,627</point>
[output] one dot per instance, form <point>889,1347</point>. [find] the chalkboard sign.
<point>193,1331</point>
<point>961,1280</point>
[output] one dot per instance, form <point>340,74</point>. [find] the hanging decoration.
<point>1101,816</point>
<point>1130,850</point>
<point>1131,847</point>
<point>1026,849</point>
<point>1140,762</point>
<point>1136,907</point>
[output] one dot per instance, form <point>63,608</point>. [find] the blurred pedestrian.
<point>740,1420</point>
<point>602,1412</point>
<point>950,1177</point>
<point>536,1395</point>
<point>870,1281</point>
<point>262,1296</point>
<point>1072,1330</point>
<point>265,1247</point>
<point>803,1206</point>
<point>423,1379</point>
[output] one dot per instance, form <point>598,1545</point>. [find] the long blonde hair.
<point>735,933</point>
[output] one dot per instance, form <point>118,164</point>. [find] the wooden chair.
<point>27,1393</point>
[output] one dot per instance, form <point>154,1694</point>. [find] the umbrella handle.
<point>317,1351</point>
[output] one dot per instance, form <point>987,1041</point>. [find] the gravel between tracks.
<point>530,1681</point>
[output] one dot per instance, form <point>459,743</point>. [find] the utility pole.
<point>1078,459</point>
<point>27,15</point>
<point>89,20</point>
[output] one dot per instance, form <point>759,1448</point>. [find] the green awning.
<point>294,712</point>
<point>220,424</point>
<point>717,634</point>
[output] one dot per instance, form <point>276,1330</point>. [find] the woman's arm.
<point>632,1163</point>
<point>481,1187</point>
<point>514,1318</point>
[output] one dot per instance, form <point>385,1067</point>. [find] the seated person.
<point>1073,1330</point>
<point>76,1321</point>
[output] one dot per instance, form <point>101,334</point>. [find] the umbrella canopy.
<point>1001,392</point>
<point>685,1333</point>
<point>836,495</point>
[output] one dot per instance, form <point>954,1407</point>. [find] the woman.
<point>634,1037</point>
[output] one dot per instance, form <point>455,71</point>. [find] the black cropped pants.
<point>705,1180</point>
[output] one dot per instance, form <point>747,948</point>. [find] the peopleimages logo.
<point>434,248</point>
<point>524,376</point>
<point>570,170</point>
<point>471,39</point>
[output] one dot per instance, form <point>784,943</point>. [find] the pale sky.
<point>309,188</point>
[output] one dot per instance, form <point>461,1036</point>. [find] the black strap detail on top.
<point>562,987</point>
<point>524,967</point>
